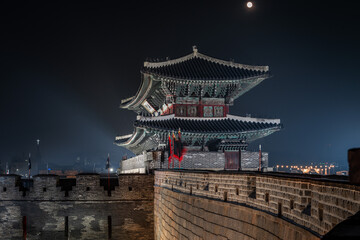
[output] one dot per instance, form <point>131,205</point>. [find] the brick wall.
<point>193,205</point>
<point>87,206</point>
<point>269,201</point>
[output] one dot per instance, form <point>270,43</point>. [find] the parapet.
<point>315,203</point>
<point>85,187</point>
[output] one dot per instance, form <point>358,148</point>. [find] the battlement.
<point>84,207</point>
<point>176,204</point>
<point>86,186</point>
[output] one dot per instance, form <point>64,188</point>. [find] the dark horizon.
<point>65,69</point>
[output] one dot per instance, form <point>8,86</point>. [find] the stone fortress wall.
<point>223,205</point>
<point>185,205</point>
<point>81,208</point>
<point>192,160</point>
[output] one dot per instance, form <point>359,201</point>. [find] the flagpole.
<point>108,179</point>
<point>170,152</point>
<point>260,157</point>
<point>180,148</point>
<point>108,172</point>
<point>172,159</point>
<point>29,165</point>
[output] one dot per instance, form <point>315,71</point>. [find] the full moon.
<point>249,4</point>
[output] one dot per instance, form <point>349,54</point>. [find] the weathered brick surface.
<point>313,204</point>
<point>181,216</point>
<point>87,207</point>
<point>188,205</point>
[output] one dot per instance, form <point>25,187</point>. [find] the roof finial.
<point>195,50</point>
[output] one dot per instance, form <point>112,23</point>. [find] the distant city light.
<point>111,169</point>
<point>249,4</point>
<point>310,169</point>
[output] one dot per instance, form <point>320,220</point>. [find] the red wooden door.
<point>232,160</point>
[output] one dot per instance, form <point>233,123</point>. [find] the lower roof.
<point>152,132</point>
<point>229,124</point>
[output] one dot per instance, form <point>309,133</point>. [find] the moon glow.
<point>249,4</point>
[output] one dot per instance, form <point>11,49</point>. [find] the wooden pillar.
<point>354,165</point>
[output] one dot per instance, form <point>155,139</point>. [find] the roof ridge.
<point>196,54</point>
<point>233,64</point>
<point>168,62</point>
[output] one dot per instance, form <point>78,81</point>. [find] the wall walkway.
<point>224,205</point>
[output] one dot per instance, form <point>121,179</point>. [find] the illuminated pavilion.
<point>193,93</point>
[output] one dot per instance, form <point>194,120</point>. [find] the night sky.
<point>65,69</point>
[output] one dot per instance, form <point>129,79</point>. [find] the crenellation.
<point>86,208</point>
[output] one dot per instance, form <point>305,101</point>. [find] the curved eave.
<point>141,140</point>
<point>138,134</point>
<point>251,85</point>
<point>207,80</point>
<point>141,95</point>
<point>252,136</point>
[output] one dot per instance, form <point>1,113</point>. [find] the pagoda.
<point>193,93</point>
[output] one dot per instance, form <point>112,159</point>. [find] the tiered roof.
<point>218,78</point>
<point>229,124</point>
<point>197,66</point>
<point>152,131</point>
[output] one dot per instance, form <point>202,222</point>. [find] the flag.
<point>181,147</point>
<point>29,162</point>
<point>169,149</point>
<point>108,162</point>
<point>175,147</point>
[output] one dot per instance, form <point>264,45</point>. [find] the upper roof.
<point>197,66</point>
